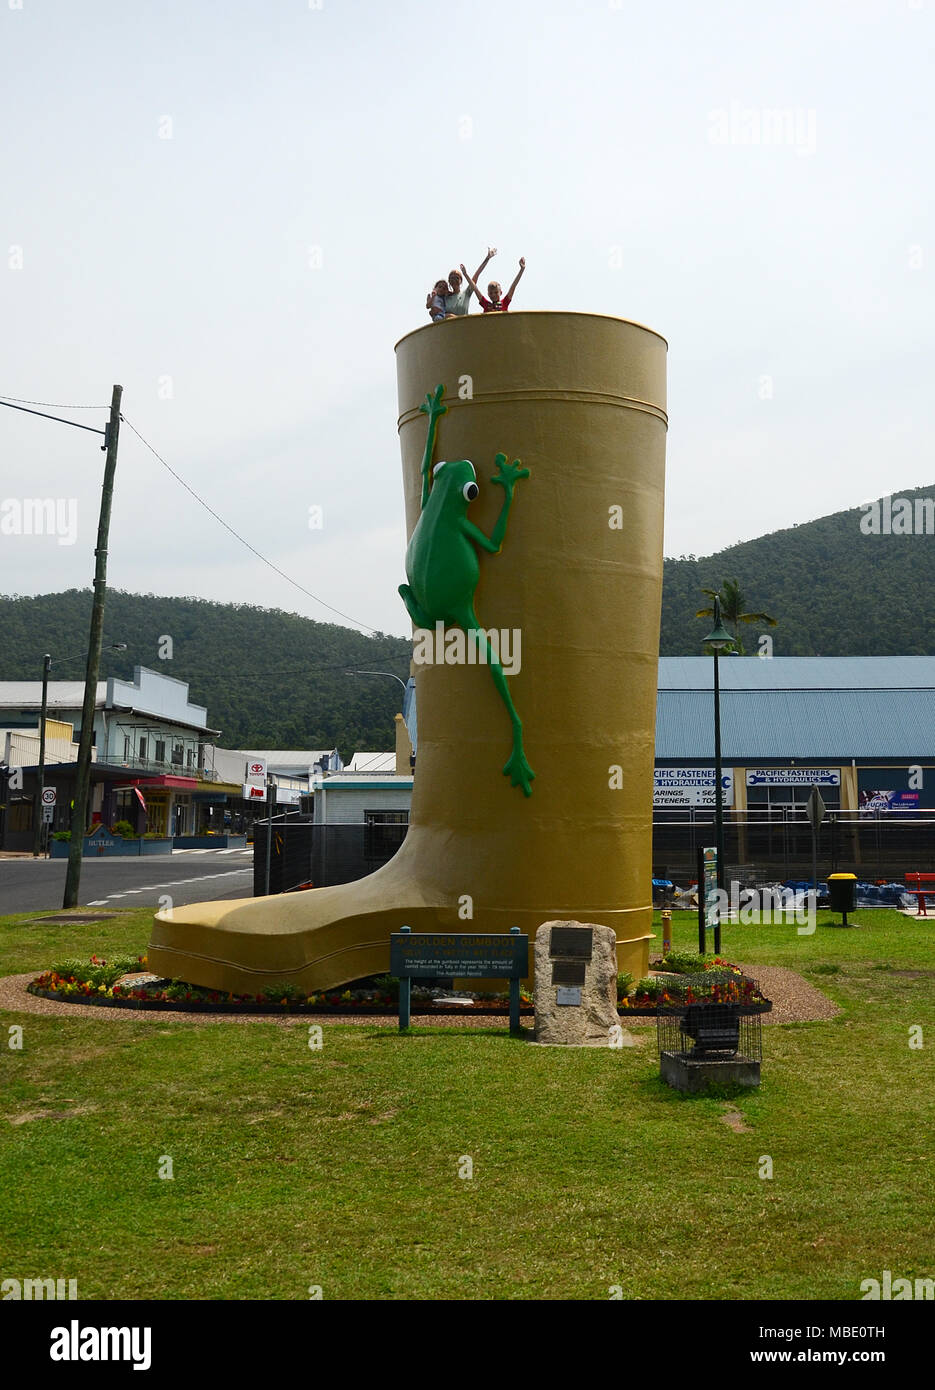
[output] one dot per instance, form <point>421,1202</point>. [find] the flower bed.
<point>124,983</point>
<point>728,985</point>
<point>101,982</point>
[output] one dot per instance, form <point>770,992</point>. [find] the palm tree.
<point>733,604</point>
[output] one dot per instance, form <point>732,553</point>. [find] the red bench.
<point>915,884</point>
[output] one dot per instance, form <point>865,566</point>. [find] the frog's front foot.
<point>508,474</point>
<point>519,771</point>
<point>432,405</point>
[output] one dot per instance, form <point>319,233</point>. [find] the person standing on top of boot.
<point>457,302</point>
<point>495,304</point>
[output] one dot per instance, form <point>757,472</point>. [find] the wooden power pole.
<point>83,781</point>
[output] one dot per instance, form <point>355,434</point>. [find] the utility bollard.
<point>514,995</point>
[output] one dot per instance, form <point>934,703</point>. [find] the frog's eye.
<point>469,492</point>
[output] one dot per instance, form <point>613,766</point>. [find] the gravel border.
<point>795,999</point>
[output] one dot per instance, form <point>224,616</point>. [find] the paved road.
<point>187,876</point>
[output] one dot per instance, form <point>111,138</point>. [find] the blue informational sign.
<point>423,955</point>
<point>472,955</point>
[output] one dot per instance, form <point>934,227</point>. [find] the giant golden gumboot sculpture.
<point>579,401</point>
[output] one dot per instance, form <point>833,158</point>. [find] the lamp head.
<point>718,637</point>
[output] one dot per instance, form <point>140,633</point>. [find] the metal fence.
<point>778,845</point>
<point>319,856</point>
<point>759,847</point>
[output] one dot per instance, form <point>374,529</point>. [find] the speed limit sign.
<point>48,796</point>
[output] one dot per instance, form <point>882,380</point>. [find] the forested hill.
<point>835,590</point>
<point>269,679</point>
<point>275,679</point>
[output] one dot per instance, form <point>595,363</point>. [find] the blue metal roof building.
<point>799,673</point>
<point>863,725</point>
<point>792,708</point>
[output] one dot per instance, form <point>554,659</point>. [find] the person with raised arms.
<point>496,304</point>
<point>457,300</point>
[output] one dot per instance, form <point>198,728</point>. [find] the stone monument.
<point>576,984</point>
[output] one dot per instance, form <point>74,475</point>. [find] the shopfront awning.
<point>187,784</point>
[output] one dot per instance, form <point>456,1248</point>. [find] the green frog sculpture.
<point>443,568</point>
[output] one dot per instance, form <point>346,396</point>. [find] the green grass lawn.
<point>340,1167</point>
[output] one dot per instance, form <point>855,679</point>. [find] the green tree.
<point>733,605</point>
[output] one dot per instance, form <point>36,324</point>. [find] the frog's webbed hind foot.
<point>412,605</point>
<point>519,771</point>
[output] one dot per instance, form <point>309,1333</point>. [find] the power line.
<point>18,402</point>
<point>53,405</point>
<point>61,420</point>
<point>236,534</point>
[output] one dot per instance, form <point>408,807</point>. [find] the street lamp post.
<point>37,813</point>
<point>717,639</point>
<point>46,668</point>
<point>378,673</point>
<point>393,677</point>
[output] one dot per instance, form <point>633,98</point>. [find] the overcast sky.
<point>234,208</point>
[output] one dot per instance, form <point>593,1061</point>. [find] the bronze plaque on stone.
<point>576,942</point>
<point>568,972</point>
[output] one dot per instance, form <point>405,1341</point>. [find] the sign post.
<point>405,993</point>
<point>270,793</point>
<point>709,914</point>
<point>815,810</point>
<point>514,994</point>
<point>48,797</point>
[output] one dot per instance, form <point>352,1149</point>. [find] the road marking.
<point>238,849</point>
<point>175,883</point>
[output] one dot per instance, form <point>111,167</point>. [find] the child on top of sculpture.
<point>498,303</point>
<point>435,301</point>
<point>457,300</point>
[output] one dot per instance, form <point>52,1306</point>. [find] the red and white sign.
<point>254,791</point>
<point>48,796</point>
<point>256,770</point>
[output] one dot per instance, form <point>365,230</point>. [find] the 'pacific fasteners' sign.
<point>690,786</point>
<point>793,777</point>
